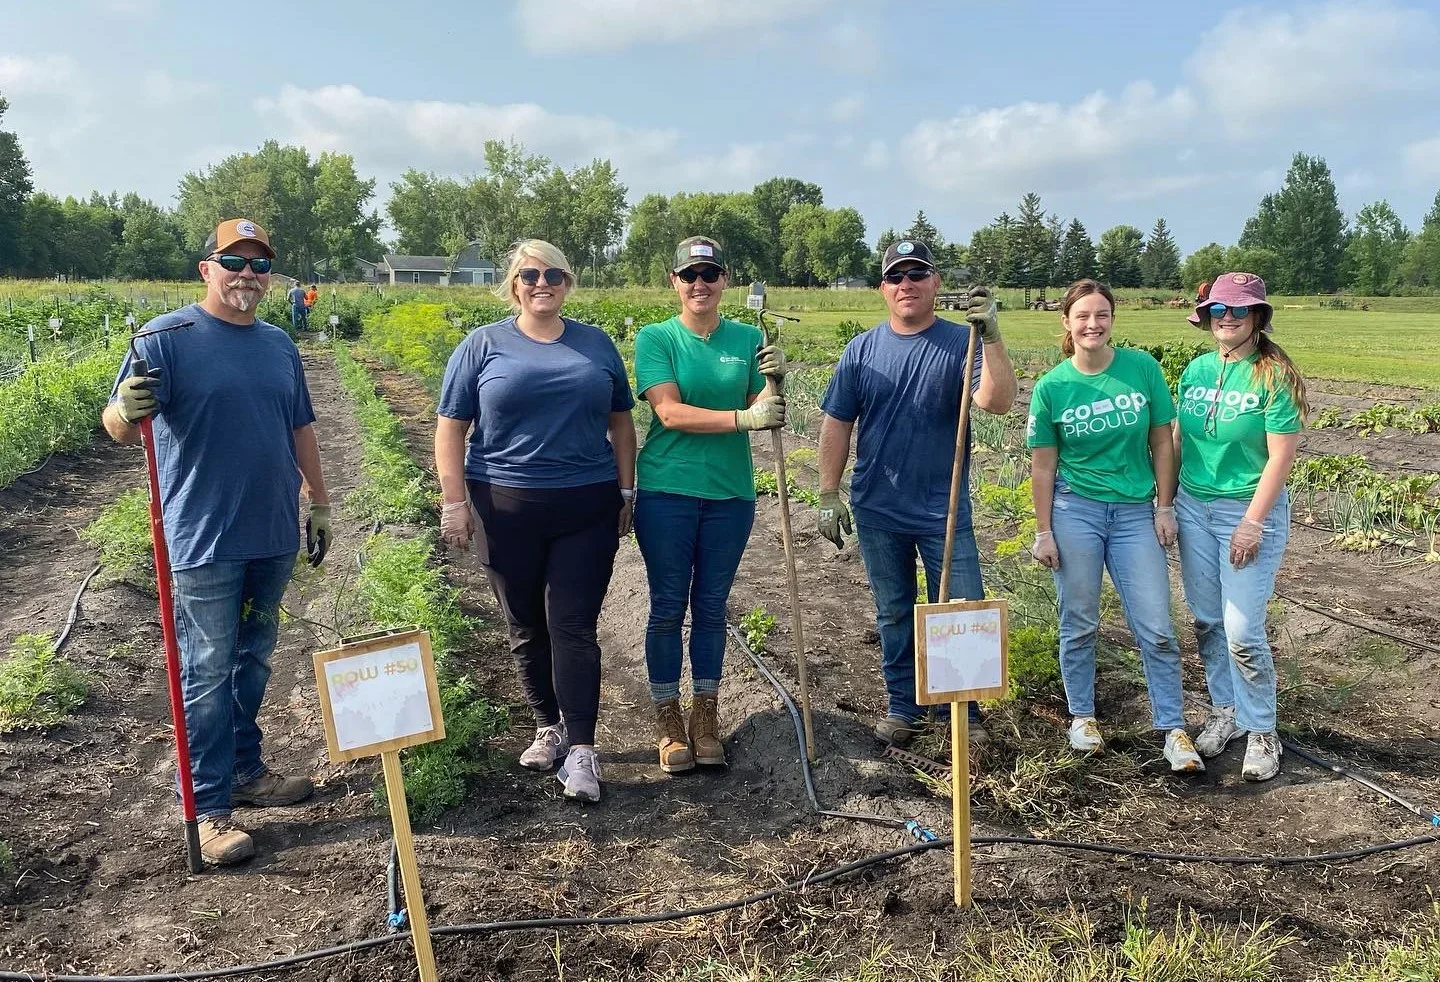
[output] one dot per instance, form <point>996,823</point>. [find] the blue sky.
<point>1122,113</point>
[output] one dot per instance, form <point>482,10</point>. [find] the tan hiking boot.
<point>222,844</point>
<point>675,755</point>
<point>705,731</point>
<point>270,790</point>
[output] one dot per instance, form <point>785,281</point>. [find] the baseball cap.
<point>227,234</point>
<point>697,251</point>
<point>905,249</point>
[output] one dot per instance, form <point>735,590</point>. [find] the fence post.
<point>107,330</point>
<point>30,337</point>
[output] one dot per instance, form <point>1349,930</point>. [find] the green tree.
<point>599,212</point>
<point>800,232</point>
<point>150,243</point>
<point>42,225</point>
<point>887,238</point>
<point>921,230</point>
<point>650,243</point>
<point>1160,260</point>
<point>1118,256</point>
<point>1031,245</point>
<point>85,241</point>
<point>1203,265</point>
<point>423,209</point>
<point>1077,255</point>
<point>730,219</point>
<point>15,188</point>
<point>989,247</point>
<point>1421,266</point>
<point>1376,250</point>
<point>773,200</point>
<point>1303,225</point>
<point>1264,263</point>
<point>345,230</point>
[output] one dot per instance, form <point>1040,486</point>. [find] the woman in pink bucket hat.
<point>1242,408</point>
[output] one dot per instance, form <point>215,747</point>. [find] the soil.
<point>101,885</point>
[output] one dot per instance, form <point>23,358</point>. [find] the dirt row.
<point>101,884</point>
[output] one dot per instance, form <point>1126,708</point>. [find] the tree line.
<point>320,215</point>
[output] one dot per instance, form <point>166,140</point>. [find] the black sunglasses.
<point>235,264</point>
<point>913,275</point>
<point>530,276</point>
<point>708,273</point>
<point>1217,311</point>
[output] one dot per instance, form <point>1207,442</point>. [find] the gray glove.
<point>981,313</point>
<point>135,396</point>
<point>834,518</point>
<point>771,361</point>
<point>768,413</point>
<point>317,533</point>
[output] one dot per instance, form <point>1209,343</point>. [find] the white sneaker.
<point>1262,757</point>
<point>1085,735</point>
<point>1218,731</point>
<point>1181,753</point>
<point>581,774</point>
<point>551,744</point>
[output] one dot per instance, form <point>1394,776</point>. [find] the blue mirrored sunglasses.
<point>1217,311</point>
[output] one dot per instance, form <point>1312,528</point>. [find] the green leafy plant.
<point>38,688</point>
<point>1326,418</point>
<point>1376,418</point>
<point>757,625</point>
<point>1034,661</point>
<point>52,406</point>
<point>394,489</point>
<point>847,331</point>
<point>765,484</point>
<point>122,533</point>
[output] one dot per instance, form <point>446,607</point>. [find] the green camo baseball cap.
<point>698,251</point>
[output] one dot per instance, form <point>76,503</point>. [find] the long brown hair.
<point>1275,367</point>
<point>1077,290</point>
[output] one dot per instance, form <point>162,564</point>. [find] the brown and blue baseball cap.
<point>698,251</point>
<point>906,250</point>
<point>236,230</point>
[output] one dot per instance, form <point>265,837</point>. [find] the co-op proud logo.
<point>1197,400</point>
<point>1101,415</point>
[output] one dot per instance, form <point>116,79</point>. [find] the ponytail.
<point>1275,367</point>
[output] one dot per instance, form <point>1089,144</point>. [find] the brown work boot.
<point>675,755</point>
<point>705,731</point>
<point>222,844</point>
<point>271,789</point>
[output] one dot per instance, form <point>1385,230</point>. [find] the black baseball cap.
<point>698,251</point>
<point>906,249</point>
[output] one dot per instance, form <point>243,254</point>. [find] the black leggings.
<point>549,553</point>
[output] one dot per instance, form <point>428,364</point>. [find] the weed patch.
<point>122,534</point>
<point>38,688</point>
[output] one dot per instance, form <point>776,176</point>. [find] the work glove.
<point>834,518</point>
<point>457,524</point>
<point>1165,528</point>
<point>317,533</point>
<point>135,397</point>
<point>627,516</point>
<point>1045,551</point>
<point>1245,542</point>
<point>771,361</point>
<point>981,313</point>
<point>768,413</point>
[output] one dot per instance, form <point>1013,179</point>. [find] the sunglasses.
<point>235,264</point>
<point>1217,311</point>
<point>709,274</point>
<point>530,276</point>
<point>913,275</point>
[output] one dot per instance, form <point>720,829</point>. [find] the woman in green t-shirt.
<point>704,377</point>
<point>1241,412</point>
<point>1099,436</point>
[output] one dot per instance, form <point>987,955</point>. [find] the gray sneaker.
<point>581,774</point>
<point>1218,731</point>
<point>897,730</point>
<point>551,744</point>
<point>1262,757</point>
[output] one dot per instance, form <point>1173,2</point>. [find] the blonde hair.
<point>1275,367</point>
<point>539,249</point>
<point>1077,290</point>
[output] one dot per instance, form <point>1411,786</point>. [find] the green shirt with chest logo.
<point>720,372</point>
<point>1222,454</point>
<point>1100,425</point>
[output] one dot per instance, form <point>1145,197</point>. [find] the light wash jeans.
<point>1093,536</point>
<point>890,564</point>
<point>1229,603</point>
<point>226,621</point>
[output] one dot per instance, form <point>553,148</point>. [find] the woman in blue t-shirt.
<point>547,479</point>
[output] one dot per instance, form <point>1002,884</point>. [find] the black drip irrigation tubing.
<point>928,842</point>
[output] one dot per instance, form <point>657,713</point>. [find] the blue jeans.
<point>1229,603</point>
<point>1093,536</point>
<point>890,564</point>
<point>300,318</point>
<point>692,548</point>
<point>226,620</point>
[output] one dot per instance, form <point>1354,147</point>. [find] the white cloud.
<point>1257,64</point>
<point>846,109</point>
<point>1422,160</point>
<point>877,155</point>
<point>611,25</point>
<point>24,75</point>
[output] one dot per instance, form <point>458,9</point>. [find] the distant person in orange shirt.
<point>311,295</point>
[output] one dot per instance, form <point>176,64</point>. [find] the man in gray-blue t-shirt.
<point>234,443</point>
<point>901,381</point>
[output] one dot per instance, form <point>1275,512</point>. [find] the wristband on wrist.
<point>1165,509</point>
<point>1045,532</point>
<point>628,494</point>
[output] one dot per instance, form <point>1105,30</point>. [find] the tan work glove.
<point>768,413</point>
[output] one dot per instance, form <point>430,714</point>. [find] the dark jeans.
<point>890,563</point>
<point>692,548</point>
<point>549,553</point>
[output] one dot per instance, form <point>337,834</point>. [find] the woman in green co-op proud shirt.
<point>1241,410</point>
<point>1099,434</point>
<point>703,376</point>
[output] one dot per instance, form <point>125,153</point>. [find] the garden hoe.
<point>167,619</point>
<point>797,630</point>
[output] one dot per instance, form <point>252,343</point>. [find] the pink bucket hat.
<point>1236,290</point>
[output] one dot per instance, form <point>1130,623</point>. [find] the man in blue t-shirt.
<point>901,381</point>
<point>234,445</point>
<point>299,312</point>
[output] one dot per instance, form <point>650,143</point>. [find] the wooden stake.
<point>960,798</point>
<point>409,871</point>
<point>961,449</point>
